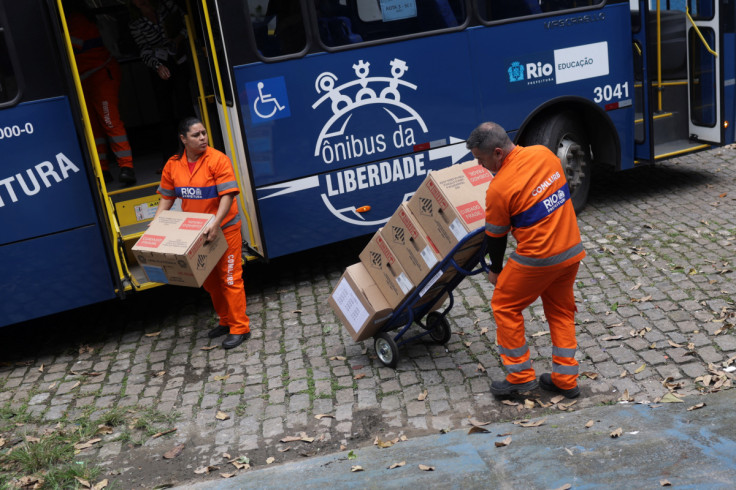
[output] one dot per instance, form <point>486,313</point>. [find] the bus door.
<point>680,95</point>
<point>208,18</point>
<point>704,74</point>
<point>53,249</point>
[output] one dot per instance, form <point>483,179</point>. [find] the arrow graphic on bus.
<point>456,149</point>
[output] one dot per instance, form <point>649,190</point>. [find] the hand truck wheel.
<point>439,327</point>
<point>386,349</point>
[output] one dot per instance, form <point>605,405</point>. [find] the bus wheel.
<point>565,136</point>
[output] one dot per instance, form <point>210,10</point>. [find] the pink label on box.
<point>150,241</point>
<point>472,212</point>
<point>478,175</point>
<point>193,223</point>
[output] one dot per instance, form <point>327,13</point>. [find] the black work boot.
<point>545,381</point>
<point>127,175</point>
<point>500,388</point>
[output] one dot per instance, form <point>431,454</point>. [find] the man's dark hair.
<point>488,136</point>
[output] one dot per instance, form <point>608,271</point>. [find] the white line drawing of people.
<point>362,69</point>
<point>326,83</point>
<point>398,68</point>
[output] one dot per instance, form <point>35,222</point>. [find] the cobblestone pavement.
<point>656,314</point>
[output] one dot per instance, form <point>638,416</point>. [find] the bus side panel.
<point>53,273</point>
<point>52,256</point>
<point>45,183</point>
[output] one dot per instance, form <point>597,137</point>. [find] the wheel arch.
<point>602,134</point>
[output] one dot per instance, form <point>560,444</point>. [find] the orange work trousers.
<point>516,289</point>
<point>101,90</point>
<point>226,287</point>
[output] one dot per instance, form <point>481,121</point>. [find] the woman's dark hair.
<point>184,126</point>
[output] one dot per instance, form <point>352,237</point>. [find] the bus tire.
<point>565,136</point>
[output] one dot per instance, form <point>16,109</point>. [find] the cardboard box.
<point>359,304</point>
<point>450,203</point>
<point>413,248</point>
<point>383,266</point>
<point>173,251</point>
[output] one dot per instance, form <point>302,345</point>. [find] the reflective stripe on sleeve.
<point>497,230</point>
<point>226,186</point>
<point>233,221</point>
<point>554,260</point>
<point>166,192</point>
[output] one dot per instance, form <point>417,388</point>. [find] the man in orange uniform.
<point>529,196</point>
<point>203,178</point>
<point>100,76</point>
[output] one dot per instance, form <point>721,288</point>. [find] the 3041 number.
<point>610,92</point>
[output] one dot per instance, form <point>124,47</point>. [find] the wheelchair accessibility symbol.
<point>268,99</point>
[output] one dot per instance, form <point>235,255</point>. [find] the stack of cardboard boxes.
<point>448,205</point>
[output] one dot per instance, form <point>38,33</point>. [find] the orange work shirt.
<point>529,196</point>
<point>200,189</point>
<point>90,52</point>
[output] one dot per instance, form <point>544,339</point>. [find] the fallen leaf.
<point>670,398</point>
<point>209,347</point>
<point>467,344</point>
<point>484,330</point>
<point>513,404</point>
<point>444,430</point>
<point>41,368</point>
<point>206,469</point>
<point>154,334</point>
<point>504,442</point>
<point>623,374</point>
<point>397,465</point>
<point>640,368</point>
<point>32,439</point>
<point>83,482</point>
<point>104,429</point>
<point>174,452</point>
<point>616,433</point>
<point>226,455</point>
<point>304,437</point>
<point>158,374</point>
<point>528,404</point>
<point>100,484</point>
<point>566,406</point>
<point>665,483</point>
<point>227,475</point>
<point>533,424</point>
<point>477,423</point>
<point>695,407</point>
<point>566,486</point>
<point>636,286</point>
<point>612,337</point>
<point>291,439</point>
<point>284,449</point>
<point>422,396</point>
<point>477,430</point>
<point>539,334</point>
<point>557,399</point>
<point>338,358</point>
<point>221,415</point>
<point>52,385</point>
<point>221,378</point>
<point>673,344</point>
<point>270,460</point>
<point>359,376</point>
<point>321,416</point>
<point>569,451</point>
<point>80,446</point>
<point>480,368</point>
<point>625,397</point>
<point>424,467</point>
<point>589,424</point>
<point>590,374</point>
<point>381,443</point>
<point>355,468</point>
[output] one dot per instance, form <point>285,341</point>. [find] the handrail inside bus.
<point>700,35</point>
<point>197,71</point>
<point>221,91</point>
<point>122,267</point>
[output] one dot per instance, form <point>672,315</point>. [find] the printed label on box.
<point>471,212</point>
<point>404,283</point>
<point>155,274</point>
<point>350,306</point>
<point>478,175</point>
<point>193,224</point>
<point>151,241</point>
<point>430,283</point>
<point>429,257</point>
<point>457,229</point>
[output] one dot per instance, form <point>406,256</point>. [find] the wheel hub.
<point>573,160</point>
<point>383,350</point>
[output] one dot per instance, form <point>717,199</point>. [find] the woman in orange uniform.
<point>203,179</point>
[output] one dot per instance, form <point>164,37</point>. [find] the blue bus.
<point>334,111</point>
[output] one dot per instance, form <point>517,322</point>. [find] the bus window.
<point>8,83</point>
<point>278,26</point>
<point>502,9</point>
<point>344,22</point>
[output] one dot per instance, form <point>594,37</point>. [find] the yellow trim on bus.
<point>198,72</point>
<point>681,152</point>
<point>221,91</point>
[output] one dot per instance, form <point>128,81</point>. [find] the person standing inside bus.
<point>208,177</point>
<point>159,31</point>
<point>100,76</point>
<point>529,197</point>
